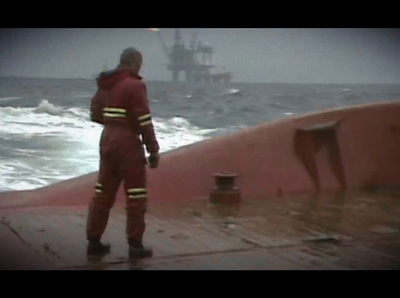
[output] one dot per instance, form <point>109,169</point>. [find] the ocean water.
<point>46,135</point>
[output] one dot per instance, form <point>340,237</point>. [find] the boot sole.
<point>140,254</point>
<point>98,252</point>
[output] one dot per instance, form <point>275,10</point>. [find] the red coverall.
<point>121,104</point>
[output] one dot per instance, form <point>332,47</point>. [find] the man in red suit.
<point>121,105</point>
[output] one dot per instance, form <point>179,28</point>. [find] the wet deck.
<point>337,231</point>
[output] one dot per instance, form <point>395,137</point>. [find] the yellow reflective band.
<point>116,110</point>
<point>136,190</point>
<point>98,187</point>
<point>113,115</point>
<point>138,196</point>
<point>141,118</point>
<point>145,123</point>
<point>137,193</point>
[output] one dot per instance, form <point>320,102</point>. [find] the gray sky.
<point>326,55</point>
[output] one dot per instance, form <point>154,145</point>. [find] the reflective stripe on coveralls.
<point>114,112</point>
<point>99,188</point>
<point>137,193</point>
<point>145,120</point>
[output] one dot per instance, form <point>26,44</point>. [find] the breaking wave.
<point>48,108</point>
<point>48,143</point>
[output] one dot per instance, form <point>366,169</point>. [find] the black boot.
<point>96,248</point>
<point>139,252</point>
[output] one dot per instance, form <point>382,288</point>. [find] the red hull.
<point>268,158</point>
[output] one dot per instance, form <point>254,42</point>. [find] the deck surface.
<point>338,231</point>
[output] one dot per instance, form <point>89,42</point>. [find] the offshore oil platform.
<point>196,61</point>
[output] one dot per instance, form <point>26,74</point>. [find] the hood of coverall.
<point>108,79</point>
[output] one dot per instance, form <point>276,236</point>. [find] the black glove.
<point>154,159</point>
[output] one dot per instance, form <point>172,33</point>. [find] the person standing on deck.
<point>121,105</point>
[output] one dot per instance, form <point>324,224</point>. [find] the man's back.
<point>121,104</point>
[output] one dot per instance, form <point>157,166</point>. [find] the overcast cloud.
<point>312,55</point>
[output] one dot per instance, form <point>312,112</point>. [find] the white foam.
<point>48,108</point>
<point>177,132</point>
<point>58,143</point>
<point>9,98</point>
<point>82,95</point>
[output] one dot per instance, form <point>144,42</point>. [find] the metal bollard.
<point>225,190</point>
